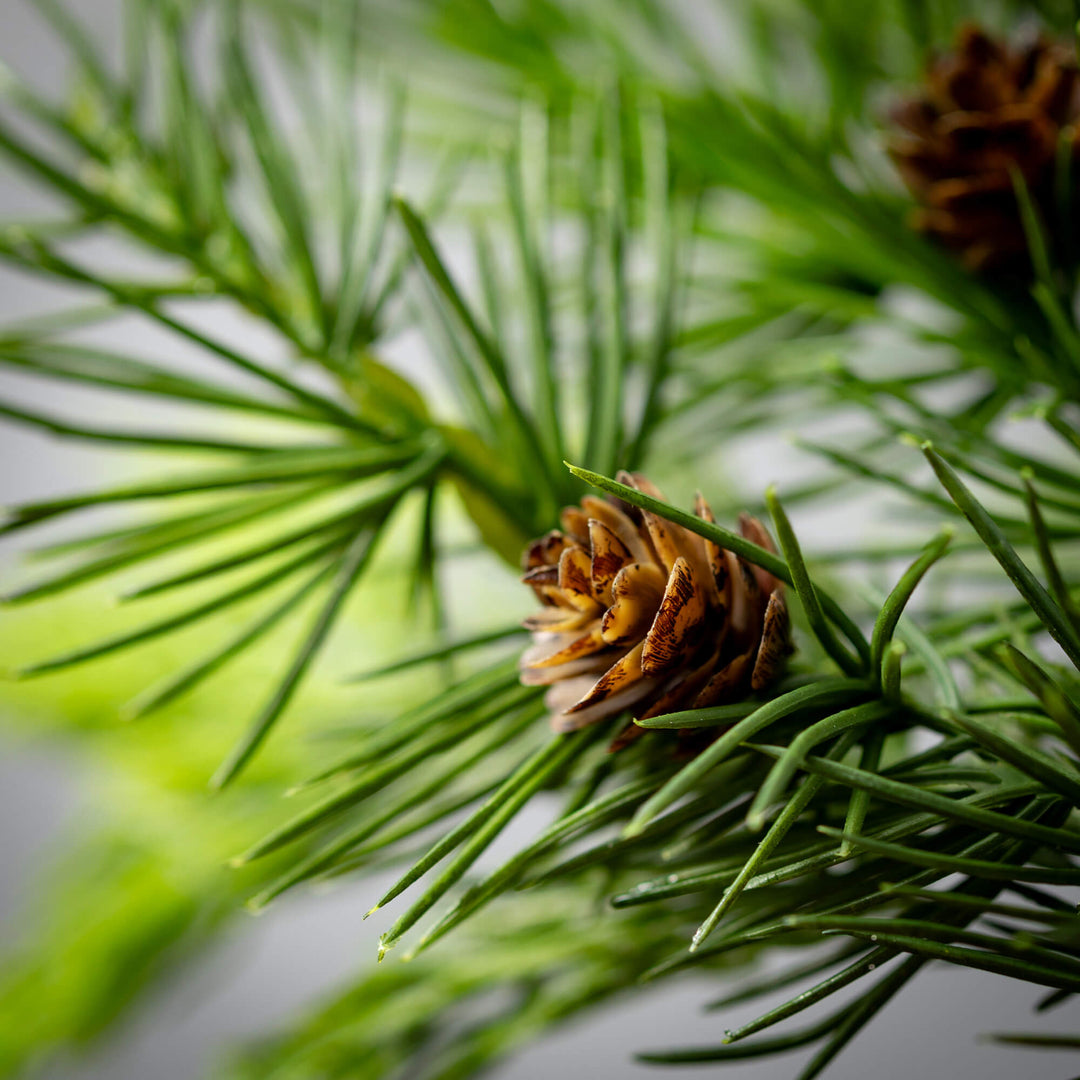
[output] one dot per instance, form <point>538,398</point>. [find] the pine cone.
<point>985,110</point>
<point>644,615</point>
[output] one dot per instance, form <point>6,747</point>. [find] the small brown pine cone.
<point>643,615</point>
<point>986,110</point>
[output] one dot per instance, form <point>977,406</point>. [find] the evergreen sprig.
<point>642,294</point>
<point>181,188</point>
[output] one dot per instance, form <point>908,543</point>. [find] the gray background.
<point>307,945</point>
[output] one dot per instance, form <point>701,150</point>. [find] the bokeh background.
<point>58,786</point>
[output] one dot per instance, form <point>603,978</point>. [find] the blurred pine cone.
<point>985,111</point>
<point>642,614</point>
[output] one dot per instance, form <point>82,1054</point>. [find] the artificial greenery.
<point>626,242</point>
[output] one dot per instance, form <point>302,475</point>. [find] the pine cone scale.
<point>678,624</point>
<point>609,556</point>
<point>774,639</point>
<point>636,594</point>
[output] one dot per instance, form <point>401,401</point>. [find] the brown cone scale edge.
<point>644,616</point>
